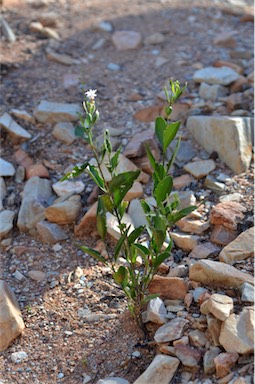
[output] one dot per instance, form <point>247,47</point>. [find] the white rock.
<point>64,132</point>
<point>212,92</point>
<point>216,75</point>
<point>184,241</point>
<point>155,38</point>
<point>6,168</point>
<point>6,222</point>
<point>113,226</point>
<point>156,311</point>
<point>13,128</point>
<point>24,115</point>
<point>220,306</point>
<point>113,380</point>
<point>125,40</point>
<point>51,112</point>
<point>68,187</point>
<point>247,291</point>
<point>172,330</point>
<point>105,26</point>
<point>230,137</point>
<point>11,322</point>
<point>17,357</point>
<point>161,370</point>
<point>201,168</point>
<point>239,249</point>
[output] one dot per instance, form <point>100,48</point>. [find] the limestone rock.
<point>17,357</point>
<point>208,359</point>
<point>154,38</point>
<point>212,75</point>
<point>212,92</point>
<point>37,170</point>
<point>184,241</point>
<point>64,59</point>
<point>156,311</point>
<point>23,158</point>
<point>170,331</point>
<point>214,185</point>
<point>228,214</point>
<point>11,322</point>
<point>36,193</point>
<point>226,39</point>
<point>37,275</point>
<point>135,191</point>
<point>197,338</point>
<point>111,380</point>
<point>3,192</point>
<point>168,287</point>
<point>87,225</point>
<point>161,370</point>
<point>113,226</point>
<point>230,137</point>
<point>6,222</point>
<point>126,40</point>
<point>65,211</point>
<point>68,187</point>
<point>192,226</point>
<point>224,362</point>
<point>16,132</point>
<point>136,146</point>
<point>6,168</point>
<point>182,181</point>
<point>214,273</point>
<point>237,332</point>
<point>185,153</point>
<point>220,306</point>
<point>189,356</point>
<point>222,236</point>
<point>50,233</point>
<point>22,114</point>
<point>247,291</point>
<point>64,132</point>
<point>239,249</point>
<point>7,30</point>
<point>201,168</point>
<point>202,251</point>
<point>214,326</point>
<point>51,112</point>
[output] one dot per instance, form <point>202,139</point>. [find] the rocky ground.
<point>74,321</point>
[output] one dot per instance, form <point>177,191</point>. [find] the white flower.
<point>91,94</point>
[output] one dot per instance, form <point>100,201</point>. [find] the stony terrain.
<point>62,319</point>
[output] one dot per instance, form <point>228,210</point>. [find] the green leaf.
<point>176,216</point>
<point>145,206</point>
<point>107,203</point>
<point>150,156</point>
<point>170,163</point>
<point>115,159</point>
<point>93,253</point>
<point>79,131</point>
<point>142,250</point>
<point>121,184</point>
<point>169,134</point>
<point>160,259</point>
<point>163,189</point>
<point>101,218</point>
<point>160,125</point>
<point>77,170</point>
<point>94,174</point>
<point>121,276</point>
<point>135,234</point>
<point>120,244</point>
<point>158,237</point>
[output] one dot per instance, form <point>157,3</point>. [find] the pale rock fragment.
<point>156,311</point>
<point>6,222</point>
<point>170,331</point>
<point>6,168</point>
<point>239,249</point>
<point>224,362</point>
<point>201,168</point>
<point>53,112</point>
<point>220,306</point>
<point>213,75</point>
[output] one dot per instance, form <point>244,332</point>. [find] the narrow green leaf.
<point>120,244</point>
<point>163,189</point>
<point>115,159</point>
<point>101,218</point>
<point>94,174</point>
<point>150,156</point>
<point>146,207</point>
<point>135,234</point>
<point>170,163</point>
<point>159,237</point>
<point>169,134</point>
<point>142,250</point>
<point>77,171</point>
<point>93,253</point>
<point>160,259</point>
<point>121,276</point>
<point>176,216</point>
<point>121,184</point>
<point>79,131</point>
<point>160,125</point>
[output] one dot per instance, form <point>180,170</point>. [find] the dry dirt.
<point>27,77</point>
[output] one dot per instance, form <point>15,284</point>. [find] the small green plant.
<point>134,279</point>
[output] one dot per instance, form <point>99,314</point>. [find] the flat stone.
<point>156,311</point>
<point>61,58</point>
<point>7,30</point>
<point>239,249</point>
<point>214,327</point>
<point>51,112</point>
<point>170,331</point>
<point>230,137</point>
<point>208,359</point>
<point>237,332</point>
<point>192,226</point>
<point>179,271</point>
<point>36,193</point>
<point>112,380</point>
<point>67,187</point>
<point>220,306</point>
<point>189,356</point>
<point>37,275</point>
<point>88,223</point>
<point>202,251</point>
<point>214,185</point>
<point>50,233</point>
<point>6,222</point>
<point>17,357</point>
<point>214,273</point>
<point>136,212</point>
<point>154,39</point>
<point>247,291</point>
<point>64,212</point>
<point>11,322</point>
<point>228,214</point>
<point>22,114</point>
<point>184,241</point>
<point>126,40</point>
<point>237,197</point>
<point>224,362</point>
<point>168,287</point>
<point>222,236</point>
<point>212,75</point>
<point>182,181</point>
<point>212,92</point>
<point>161,370</point>
<point>64,132</point>
<point>105,26</point>
<point>186,198</point>
<point>37,170</point>
<point>23,158</point>
<point>6,168</point>
<point>136,147</point>
<point>197,338</point>
<point>201,168</point>
<point>16,132</point>
<point>185,153</point>
<point>226,39</point>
